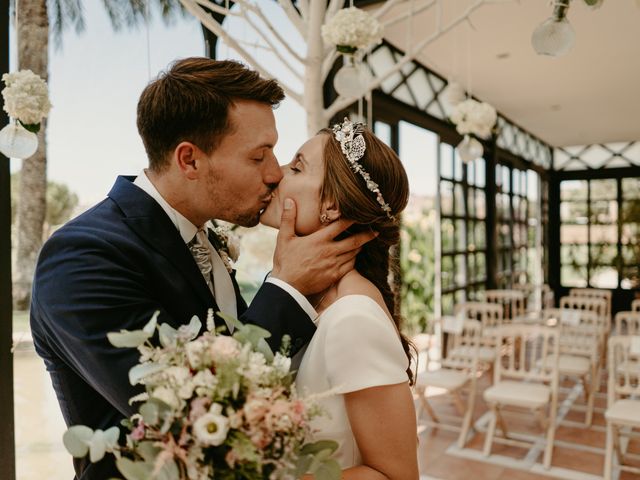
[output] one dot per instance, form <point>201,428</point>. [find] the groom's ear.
<point>331,210</point>
<point>189,159</point>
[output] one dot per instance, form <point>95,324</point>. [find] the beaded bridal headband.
<point>352,144</point>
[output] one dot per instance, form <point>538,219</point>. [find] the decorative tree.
<point>314,66</point>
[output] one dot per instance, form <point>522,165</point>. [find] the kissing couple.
<point>209,132</point>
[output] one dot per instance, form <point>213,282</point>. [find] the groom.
<point>209,131</point>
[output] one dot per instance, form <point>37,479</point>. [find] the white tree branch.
<point>328,62</point>
<point>341,102</point>
<point>211,24</point>
<point>260,14</point>
<point>294,17</point>
<point>388,5</point>
<point>271,46</point>
<point>333,8</point>
<point>214,7</point>
<point>409,13</point>
<point>303,5</point>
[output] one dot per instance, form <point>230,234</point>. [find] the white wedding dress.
<point>356,346</point>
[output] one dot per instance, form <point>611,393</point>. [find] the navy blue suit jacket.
<point>111,268</point>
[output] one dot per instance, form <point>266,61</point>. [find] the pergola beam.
<point>7,432</point>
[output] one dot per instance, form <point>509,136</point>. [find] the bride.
<point>357,351</point>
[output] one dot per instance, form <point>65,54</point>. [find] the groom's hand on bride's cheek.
<point>314,262</point>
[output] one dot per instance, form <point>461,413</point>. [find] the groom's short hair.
<point>190,102</point>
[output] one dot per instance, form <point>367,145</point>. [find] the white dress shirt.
<point>188,230</point>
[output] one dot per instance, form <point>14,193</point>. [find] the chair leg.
<point>501,422</point>
<point>608,458</point>
<point>425,404</point>
<point>590,400</point>
<point>551,433</point>
<point>458,402</point>
<point>468,416</point>
<point>490,431</point>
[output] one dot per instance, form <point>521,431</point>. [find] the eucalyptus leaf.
<point>111,436</point>
<point>134,470</point>
<point>316,447</point>
<point>319,459</point>
<point>302,465</point>
<point>76,440</point>
<point>150,412</point>
<point>169,471</point>
<point>143,370</point>
<point>148,451</point>
<point>97,446</point>
<point>128,339</point>
<point>150,327</point>
<point>237,324</point>
<point>191,331</point>
<point>328,470</point>
<point>168,335</point>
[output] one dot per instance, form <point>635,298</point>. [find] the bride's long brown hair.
<point>356,202</point>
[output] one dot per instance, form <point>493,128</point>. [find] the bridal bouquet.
<point>215,407</point>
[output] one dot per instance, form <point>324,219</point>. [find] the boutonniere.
<point>227,244</point>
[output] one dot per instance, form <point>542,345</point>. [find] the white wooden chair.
<point>623,400</point>
<point>635,305</point>
<point>521,381</point>
<point>593,293</point>
<point>580,351</point>
<point>548,297</point>
<point>489,316</point>
<point>628,323</point>
<point>512,301</point>
<point>455,375</point>
<point>599,307</point>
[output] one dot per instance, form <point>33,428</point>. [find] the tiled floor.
<point>578,452</point>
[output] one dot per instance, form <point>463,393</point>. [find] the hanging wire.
<point>146,24</point>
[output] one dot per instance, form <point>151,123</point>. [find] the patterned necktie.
<point>202,255</point>
<point>215,273</point>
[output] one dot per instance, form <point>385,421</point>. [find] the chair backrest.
<point>593,293</point>
<point>531,354</point>
<point>469,338</point>
<point>624,367</point>
<point>548,297</point>
<point>591,304</point>
<point>488,314</point>
<point>512,301</point>
<point>635,305</point>
<point>628,323</point>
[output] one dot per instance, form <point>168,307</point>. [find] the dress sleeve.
<point>362,349</point>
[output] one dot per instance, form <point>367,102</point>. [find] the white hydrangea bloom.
<point>352,27</point>
<point>471,116</point>
<point>26,97</point>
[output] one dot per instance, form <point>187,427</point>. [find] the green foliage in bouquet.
<point>214,406</point>
<point>417,258</point>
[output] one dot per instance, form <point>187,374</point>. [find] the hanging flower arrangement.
<point>26,100</point>
<point>351,29</point>
<point>473,117</point>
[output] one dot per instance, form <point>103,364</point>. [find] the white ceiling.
<point>591,95</point>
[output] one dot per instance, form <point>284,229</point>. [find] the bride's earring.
<point>324,218</point>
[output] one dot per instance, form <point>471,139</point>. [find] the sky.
<point>95,80</point>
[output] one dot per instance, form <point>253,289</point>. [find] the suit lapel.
<point>149,221</point>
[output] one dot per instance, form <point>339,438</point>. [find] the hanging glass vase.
<point>352,78</point>
<point>17,142</point>
<point>469,149</point>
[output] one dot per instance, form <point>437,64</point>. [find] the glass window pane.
<point>459,200</point>
<point>604,277</point>
<point>603,254</point>
<point>574,254</point>
<point>459,165</point>
<point>574,234</point>
<point>573,190</point>
<point>383,132</point>
<point>480,236</point>
<point>573,276</point>
<point>447,304</point>
<point>481,268</point>
<point>631,188</point>
<point>481,208</point>
<point>446,160</point>
<point>448,237</point>
<point>447,272</point>
<point>606,189</point>
<point>461,274</point>
<point>604,233</point>
<point>446,197</point>
<point>630,233</point>
<point>461,236</point>
<point>630,277</point>
<point>480,172</point>
<point>604,211</point>
<point>574,212</point>
<point>631,211</point>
